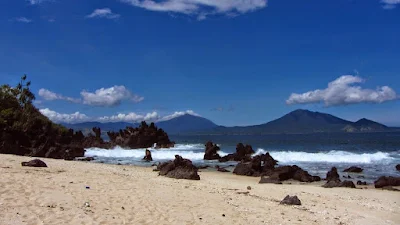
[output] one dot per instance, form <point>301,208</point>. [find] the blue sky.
<point>234,62</point>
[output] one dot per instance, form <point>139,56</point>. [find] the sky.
<point>235,62</point>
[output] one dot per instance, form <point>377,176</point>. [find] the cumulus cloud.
<point>54,116</point>
<point>130,117</point>
<point>389,4</point>
<point>51,96</point>
<point>103,13</point>
<point>200,8</point>
<point>343,92</point>
<point>106,97</point>
<point>22,20</point>
<point>37,2</point>
<point>109,96</point>
<point>177,114</point>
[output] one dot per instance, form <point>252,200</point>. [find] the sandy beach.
<point>71,192</point>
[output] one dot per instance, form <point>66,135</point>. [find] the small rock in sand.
<point>34,163</point>
<point>291,200</point>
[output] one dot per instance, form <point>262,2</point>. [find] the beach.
<point>72,192</point>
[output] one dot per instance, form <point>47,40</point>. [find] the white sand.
<point>135,195</point>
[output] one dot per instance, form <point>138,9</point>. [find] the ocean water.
<point>376,153</point>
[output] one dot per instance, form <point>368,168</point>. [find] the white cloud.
<point>51,96</point>
<point>109,96</point>
<point>37,2</point>
<point>106,97</point>
<point>76,117</point>
<point>341,92</point>
<point>390,4</point>
<point>200,8</point>
<point>103,13</point>
<point>177,114</point>
<point>23,20</point>
<point>130,117</point>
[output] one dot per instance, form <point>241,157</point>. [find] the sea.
<point>377,153</point>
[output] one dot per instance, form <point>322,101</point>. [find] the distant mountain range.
<point>296,122</point>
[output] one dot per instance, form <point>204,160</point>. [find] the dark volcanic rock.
<point>267,180</point>
<point>211,151</point>
<point>34,163</point>
<point>398,167</point>
<point>243,153</point>
<point>332,175</point>
<point>333,183</point>
<point>220,169</point>
<point>87,159</point>
<point>291,200</point>
<point>387,181</point>
<point>361,182</point>
<point>353,169</point>
<point>145,136</point>
<point>245,169</point>
<point>179,168</point>
<point>147,157</point>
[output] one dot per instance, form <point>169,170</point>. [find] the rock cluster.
<point>333,180</point>
<point>242,153</point>
<point>179,168</point>
<point>211,151</point>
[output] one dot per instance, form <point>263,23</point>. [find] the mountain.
<point>304,121</point>
<point>296,122</point>
<point>179,125</point>
<point>185,124</point>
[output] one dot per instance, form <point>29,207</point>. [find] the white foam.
<point>328,157</point>
<point>187,151</point>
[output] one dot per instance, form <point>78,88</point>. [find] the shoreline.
<point>126,194</point>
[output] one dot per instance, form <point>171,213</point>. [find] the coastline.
<point>121,194</point>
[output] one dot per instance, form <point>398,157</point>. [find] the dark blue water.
<point>376,153</point>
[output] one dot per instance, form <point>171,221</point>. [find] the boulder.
<point>332,175</point>
<point>211,151</point>
<point>220,169</point>
<point>361,182</point>
<point>245,169</point>
<point>353,169</point>
<point>268,180</point>
<point>291,200</point>
<point>243,153</point>
<point>34,163</point>
<point>387,181</point>
<point>398,167</point>
<point>147,157</point>
<point>179,168</point>
<point>333,183</point>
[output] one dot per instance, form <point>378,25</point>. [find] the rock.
<point>387,181</point>
<point>291,200</point>
<point>34,163</point>
<point>147,157</point>
<point>211,151</point>
<point>398,167</point>
<point>243,153</point>
<point>179,169</point>
<point>304,176</point>
<point>353,169</point>
<point>333,183</point>
<point>220,169</point>
<point>248,187</point>
<point>348,177</point>
<point>245,169</point>
<point>87,159</point>
<point>332,175</point>
<point>361,182</point>
<point>268,180</point>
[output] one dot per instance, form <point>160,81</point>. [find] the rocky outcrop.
<point>264,165</point>
<point>179,168</point>
<point>333,180</point>
<point>34,163</point>
<point>353,169</point>
<point>147,156</point>
<point>291,200</point>
<point>211,151</point>
<point>243,153</point>
<point>145,136</point>
<point>398,167</point>
<point>387,181</point>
